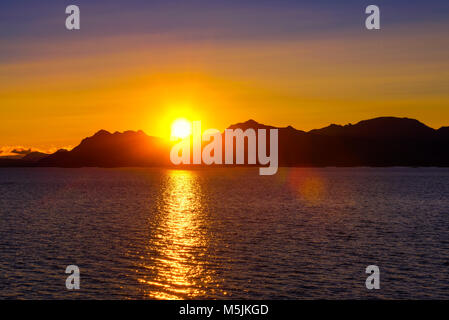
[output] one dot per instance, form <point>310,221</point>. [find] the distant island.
<point>383,141</point>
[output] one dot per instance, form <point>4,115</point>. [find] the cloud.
<point>21,151</point>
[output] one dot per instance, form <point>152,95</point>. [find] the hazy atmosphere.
<point>140,64</point>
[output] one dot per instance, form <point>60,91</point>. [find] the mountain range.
<point>384,141</point>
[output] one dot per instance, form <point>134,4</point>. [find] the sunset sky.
<point>141,64</point>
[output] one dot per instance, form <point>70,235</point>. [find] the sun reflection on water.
<point>178,263</point>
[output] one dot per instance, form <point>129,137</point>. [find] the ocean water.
<point>147,233</point>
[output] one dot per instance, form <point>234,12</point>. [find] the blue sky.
<point>230,18</point>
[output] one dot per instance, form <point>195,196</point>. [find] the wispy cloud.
<point>20,151</point>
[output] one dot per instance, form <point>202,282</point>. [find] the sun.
<point>181,129</point>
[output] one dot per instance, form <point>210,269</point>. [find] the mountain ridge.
<point>382,141</point>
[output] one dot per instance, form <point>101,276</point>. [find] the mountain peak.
<point>393,120</point>
<point>384,127</point>
<point>249,124</point>
<point>102,133</point>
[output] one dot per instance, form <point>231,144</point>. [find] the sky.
<point>141,64</point>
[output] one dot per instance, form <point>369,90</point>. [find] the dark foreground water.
<point>224,233</point>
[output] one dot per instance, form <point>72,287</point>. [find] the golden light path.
<point>180,264</point>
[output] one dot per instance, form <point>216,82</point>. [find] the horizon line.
<point>20,149</point>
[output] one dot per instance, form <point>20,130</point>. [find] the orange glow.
<point>308,184</point>
<point>110,83</point>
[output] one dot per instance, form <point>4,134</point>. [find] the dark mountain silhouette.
<point>25,155</point>
<point>385,141</point>
<point>104,149</point>
<point>250,124</point>
<point>35,156</point>
<point>380,128</point>
<point>443,132</point>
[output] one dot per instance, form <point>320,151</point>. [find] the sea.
<point>224,233</point>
